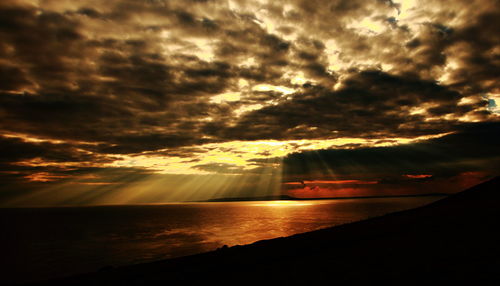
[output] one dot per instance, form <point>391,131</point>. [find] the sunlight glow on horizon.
<point>282,203</point>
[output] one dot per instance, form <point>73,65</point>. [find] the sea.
<point>44,243</point>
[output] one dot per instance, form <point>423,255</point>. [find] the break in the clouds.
<point>232,87</point>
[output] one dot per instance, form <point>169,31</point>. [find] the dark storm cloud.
<point>473,149</point>
<point>12,78</point>
<point>17,150</point>
<point>61,83</point>
<point>39,162</point>
<point>383,100</point>
<point>82,72</point>
<point>40,44</point>
<point>75,117</point>
<point>477,46</point>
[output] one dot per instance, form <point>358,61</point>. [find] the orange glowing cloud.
<point>421,176</point>
<point>328,192</point>
<point>328,188</point>
<point>44,177</point>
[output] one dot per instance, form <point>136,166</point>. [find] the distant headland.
<point>290,198</point>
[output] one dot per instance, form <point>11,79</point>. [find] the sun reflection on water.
<point>281,203</point>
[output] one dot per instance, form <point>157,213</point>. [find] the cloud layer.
<point>172,85</point>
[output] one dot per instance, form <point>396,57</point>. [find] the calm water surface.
<point>41,243</point>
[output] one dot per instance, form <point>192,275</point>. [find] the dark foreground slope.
<point>455,240</point>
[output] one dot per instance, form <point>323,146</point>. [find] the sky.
<point>151,101</point>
